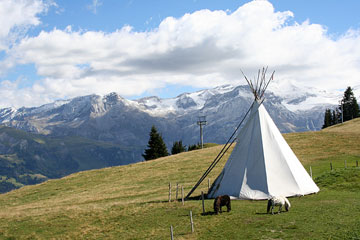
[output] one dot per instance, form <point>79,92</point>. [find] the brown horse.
<point>220,201</point>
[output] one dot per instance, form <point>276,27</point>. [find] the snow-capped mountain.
<point>183,103</point>
<point>297,98</point>
<point>127,122</point>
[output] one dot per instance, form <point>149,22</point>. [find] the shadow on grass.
<point>174,200</point>
<point>208,213</point>
<point>156,201</point>
<point>265,213</point>
<point>198,197</point>
<point>195,198</point>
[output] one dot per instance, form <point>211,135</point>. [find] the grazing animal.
<point>220,201</point>
<point>278,201</point>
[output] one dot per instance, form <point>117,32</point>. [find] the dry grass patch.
<point>313,146</point>
<point>346,127</point>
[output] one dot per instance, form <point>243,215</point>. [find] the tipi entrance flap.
<point>255,172</point>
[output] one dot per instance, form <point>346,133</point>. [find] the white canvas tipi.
<point>262,164</point>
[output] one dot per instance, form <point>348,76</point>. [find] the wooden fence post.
<point>182,195</point>
<point>203,204</point>
<point>169,191</point>
<point>171,232</point>
<point>191,222</point>
<point>208,185</point>
<point>177,189</point>
<point>330,166</point>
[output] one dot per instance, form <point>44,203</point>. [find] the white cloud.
<point>16,16</point>
<point>94,6</point>
<point>203,49</point>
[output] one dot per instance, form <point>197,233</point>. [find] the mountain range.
<point>121,126</point>
<point>111,118</point>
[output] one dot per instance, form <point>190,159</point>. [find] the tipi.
<point>262,164</point>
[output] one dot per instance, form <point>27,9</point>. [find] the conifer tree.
<point>335,117</point>
<point>349,107</point>
<point>178,147</point>
<point>327,119</point>
<point>193,147</point>
<point>156,146</point>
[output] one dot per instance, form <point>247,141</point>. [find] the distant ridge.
<point>27,158</point>
<point>112,118</point>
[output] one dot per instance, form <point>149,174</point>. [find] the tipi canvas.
<point>262,164</point>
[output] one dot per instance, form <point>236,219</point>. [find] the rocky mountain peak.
<point>112,98</point>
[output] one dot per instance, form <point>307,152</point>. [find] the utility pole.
<point>201,122</point>
<point>342,111</point>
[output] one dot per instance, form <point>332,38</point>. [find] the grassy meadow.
<point>131,202</point>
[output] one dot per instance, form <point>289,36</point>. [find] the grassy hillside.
<point>346,127</point>
<point>334,145</point>
<point>131,202</point>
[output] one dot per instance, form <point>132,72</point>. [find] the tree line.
<point>156,147</point>
<point>347,109</point>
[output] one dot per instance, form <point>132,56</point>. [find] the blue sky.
<point>53,50</point>
<point>109,15</point>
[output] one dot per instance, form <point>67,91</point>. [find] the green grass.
<point>131,202</point>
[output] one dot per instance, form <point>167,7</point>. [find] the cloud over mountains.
<point>202,49</point>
